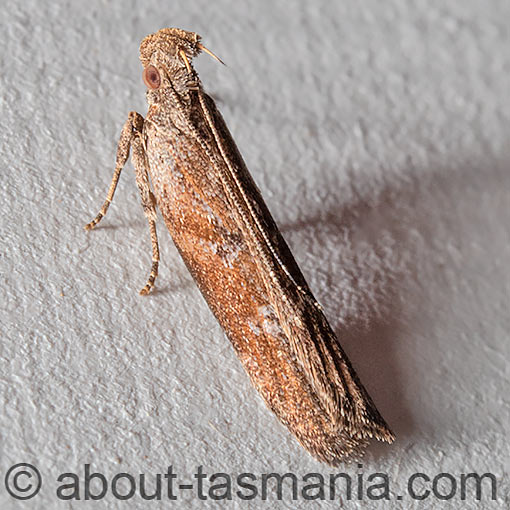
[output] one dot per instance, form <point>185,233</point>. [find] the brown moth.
<point>237,256</point>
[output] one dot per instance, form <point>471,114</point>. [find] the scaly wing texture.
<point>306,327</point>
<point>281,337</point>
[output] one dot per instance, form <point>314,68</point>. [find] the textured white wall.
<point>379,134</point>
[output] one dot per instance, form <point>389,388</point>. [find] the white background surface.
<point>378,133</point>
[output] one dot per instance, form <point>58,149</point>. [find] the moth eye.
<point>151,77</point>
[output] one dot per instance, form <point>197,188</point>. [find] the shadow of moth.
<point>237,256</point>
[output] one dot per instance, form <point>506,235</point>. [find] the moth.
<point>187,165</point>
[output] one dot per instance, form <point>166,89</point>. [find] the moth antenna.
<point>185,59</point>
<point>209,52</point>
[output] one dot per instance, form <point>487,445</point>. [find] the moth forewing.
<point>241,263</point>
<point>310,337</point>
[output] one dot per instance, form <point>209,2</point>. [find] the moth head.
<point>167,54</point>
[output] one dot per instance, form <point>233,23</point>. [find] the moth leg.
<point>148,200</point>
<point>123,146</point>
<point>131,138</point>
